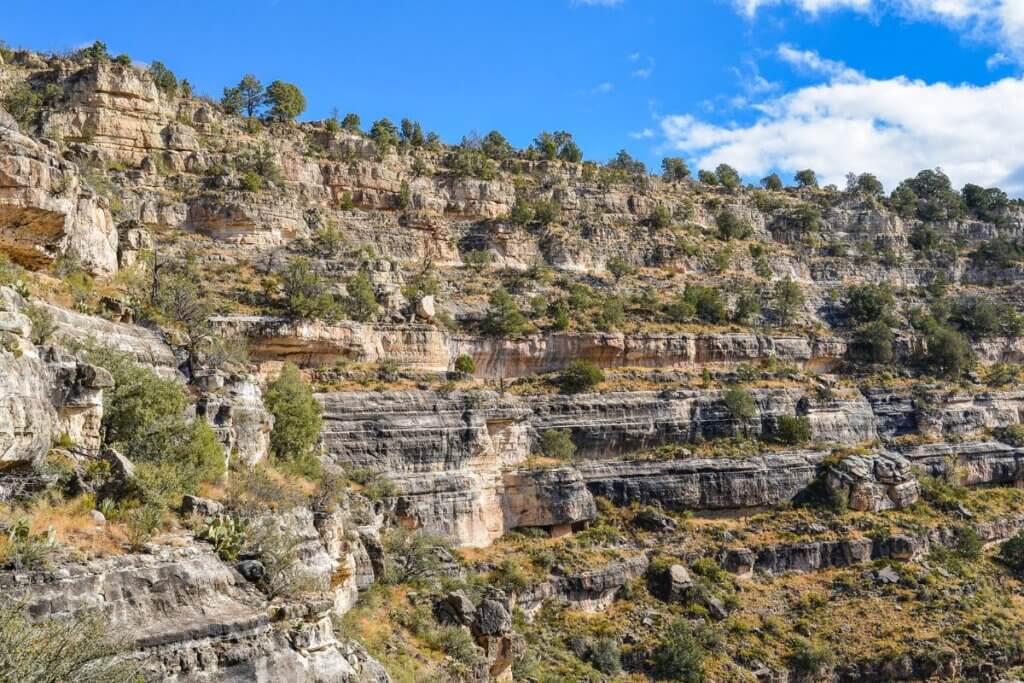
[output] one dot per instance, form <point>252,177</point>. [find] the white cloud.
<point>892,128</point>
<point>645,134</point>
<point>812,62</point>
<point>1000,22</point>
<point>750,7</point>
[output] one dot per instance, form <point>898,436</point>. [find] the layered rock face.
<point>704,484</point>
<point>44,394</point>
<point>46,209</point>
<point>204,623</point>
<point>537,354</point>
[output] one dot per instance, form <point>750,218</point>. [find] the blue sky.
<point>888,86</point>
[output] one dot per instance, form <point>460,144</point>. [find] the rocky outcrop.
<point>414,346</point>
<point>205,623</point>
<point>146,346</point>
<point>704,484</point>
<point>45,395</point>
<point>592,590</point>
<point>46,209</point>
<point>873,483</point>
<point>546,353</point>
<point>233,406</point>
<point>812,556</point>
<point>970,463</point>
<point>428,347</point>
<point>555,499</point>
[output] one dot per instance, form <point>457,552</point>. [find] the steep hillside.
<point>295,401</point>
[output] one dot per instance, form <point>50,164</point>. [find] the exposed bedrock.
<point>47,210</point>
<point>884,481</point>
<point>812,556</point>
<point>430,348</point>
<point>591,591</point>
<point>704,483</point>
<point>45,393</point>
<point>189,617</point>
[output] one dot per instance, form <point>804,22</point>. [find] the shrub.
<point>410,556</point>
<point>141,523</point>
<point>613,312</point>
<point>43,324</point>
<point>787,300</point>
<point>674,169</point>
<point>580,376</point>
<point>660,218</point>
<point>361,302</point>
<point>806,178</point>
<point>678,655</point>
<point>297,415</point>
<point>478,260</point>
<point>793,430</point>
<point>619,267</point>
<point>740,403</point>
<point>557,444</point>
<point>144,414</point>
<point>869,303</point>
<point>79,649</point>
<point>306,293</point>
<point>164,78</point>
<point>811,658</point>
<point>731,226</point>
<point>748,308</point>
<point>465,364</point>
<point>1011,553</point>
<point>948,353</point>
<point>286,101</point>
<point>873,343</point>
<point>503,317</point>
<point>603,655</point>
<point>707,302</point>
<point>24,104</point>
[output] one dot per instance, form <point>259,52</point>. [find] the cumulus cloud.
<point>892,128</point>
<point>812,62</point>
<point>997,21</point>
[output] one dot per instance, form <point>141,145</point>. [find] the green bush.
<point>557,444</point>
<point>580,376</point>
<point>307,295</point>
<point>678,656</point>
<point>787,300</point>
<point>811,659</point>
<point>948,353</point>
<point>361,302</point>
<point>144,417</point>
<point>868,303</point>
<point>873,343</point>
<point>740,403</point>
<point>297,416</point>
<point>731,226</point>
<point>793,430</point>
<point>286,101</point>
<point>1011,553</point>
<point>79,649</point>
<point>503,317</point>
<point>465,364</point>
<point>707,302</point>
<point>603,655</point>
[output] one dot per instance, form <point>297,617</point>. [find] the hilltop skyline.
<point>884,86</point>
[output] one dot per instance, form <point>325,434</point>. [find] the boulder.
<point>455,609</point>
<point>491,618</point>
